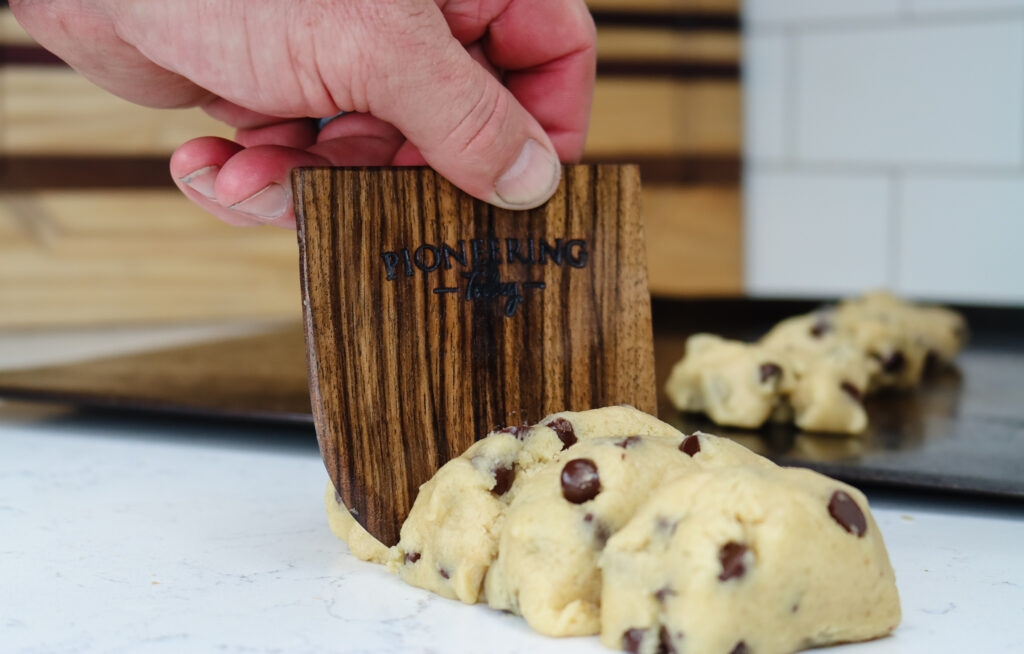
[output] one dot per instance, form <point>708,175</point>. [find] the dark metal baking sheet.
<point>962,432</point>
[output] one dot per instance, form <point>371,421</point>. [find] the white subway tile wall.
<point>962,237</point>
<point>925,6</point>
<point>786,11</point>
<point>884,147</point>
<point>933,94</point>
<point>816,233</point>
<point>766,87</point>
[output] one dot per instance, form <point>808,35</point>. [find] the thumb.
<point>467,125</point>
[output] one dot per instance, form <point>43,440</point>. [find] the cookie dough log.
<point>747,560</point>
<point>736,384</point>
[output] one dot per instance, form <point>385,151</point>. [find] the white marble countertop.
<point>133,534</point>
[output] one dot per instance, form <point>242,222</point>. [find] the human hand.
<point>420,78</point>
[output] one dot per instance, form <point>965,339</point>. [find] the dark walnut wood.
<point>433,318</point>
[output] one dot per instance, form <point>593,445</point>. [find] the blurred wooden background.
<point>92,231</point>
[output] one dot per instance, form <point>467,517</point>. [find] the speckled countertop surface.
<point>123,533</point>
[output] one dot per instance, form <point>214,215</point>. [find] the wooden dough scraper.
<point>433,318</point>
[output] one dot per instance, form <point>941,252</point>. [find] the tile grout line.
<point>896,181</point>
<point>1020,162</point>
<point>905,17</point>
<point>791,92</point>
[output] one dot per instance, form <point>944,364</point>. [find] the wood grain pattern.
<point>666,44</point>
<point>636,116</point>
<point>661,6</point>
<point>404,376</point>
<point>695,240</point>
<point>10,30</point>
<point>92,257</point>
<point>53,109</point>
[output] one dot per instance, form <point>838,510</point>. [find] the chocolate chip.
<point>731,557</point>
<point>663,594</point>
<point>690,445</point>
<point>580,481</point>
<point>503,478</point>
<point>563,428</point>
<point>820,327</point>
<point>770,371</point>
<point>741,648</point>
<point>631,640</point>
<point>845,511</point>
<point>894,363</point>
<point>796,607</point>
<point>665,645</point>
<point>519,431</point>
<point>588,518</point>
<point>601,535</point>
<point>629,441</point>
<point>412,557</point>
<point>851,390</point>
<point>443,573</point>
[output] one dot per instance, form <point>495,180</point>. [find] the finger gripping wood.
<point>432,318</point>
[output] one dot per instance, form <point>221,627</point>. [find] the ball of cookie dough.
<point>747,559</point>
<point>735,383</point>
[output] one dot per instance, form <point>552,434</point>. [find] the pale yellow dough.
<point>822,364</point>
<point>498,524</point>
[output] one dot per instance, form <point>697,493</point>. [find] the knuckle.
<point>480,122</point>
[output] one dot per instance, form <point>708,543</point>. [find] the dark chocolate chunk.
<point>631,640</point>
<point>663,594</point>
<point>845,511</point>
<point>741,648</point>
<point>665,645</point>
<point>731,558</point>
<point>503,478</point>
<point>851,390</point>
<point>519,431</point>
<point>629,441</point>
<point>820,327</point>
<point>412,557</point>
<point>580,481</point>
<point>443,573</point>
<point>770,371</point>
<point>894,363</point>
<point>563,428</point>
<point>690,445</point>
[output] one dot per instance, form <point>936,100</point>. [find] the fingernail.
<point>269,202</point>
<point>531,179</point>
<point>202,180</point>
